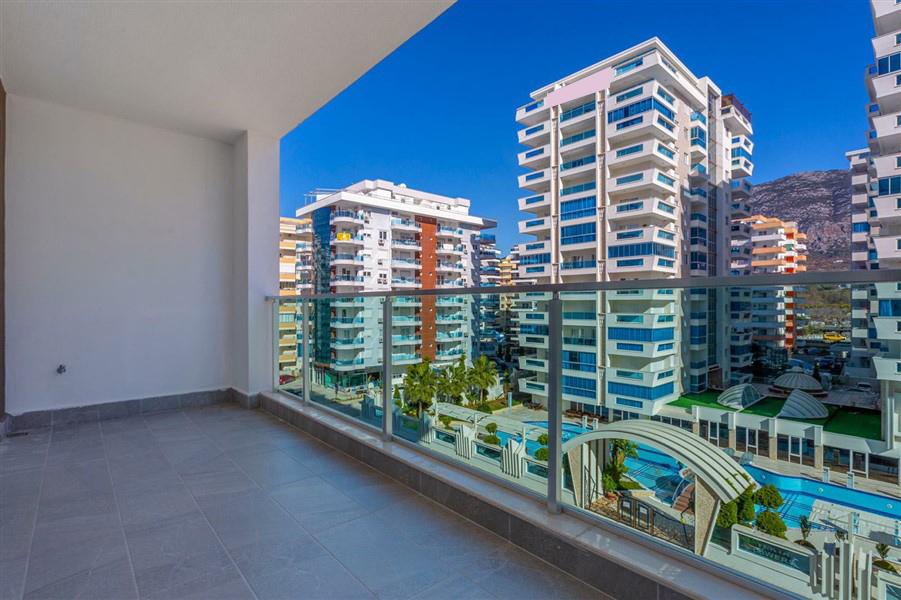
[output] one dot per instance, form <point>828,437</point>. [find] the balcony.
<point>535,135</point>
<point>641,211</point>
<point>535,226</point>
<point>406,244</point>
<point>535,203</point>
<point>130,483</point>
<point>346,217</point>
<point>405,225</point>
<point>888,209</point>
<point>648,181</point>
<point>537,181</point>
<point>532,113</point>
<point>888,251</point>
<point>644,153</point>
<point>535,158</point>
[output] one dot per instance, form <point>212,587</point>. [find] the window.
<point>639,334</point>
<point>629,123</point>
<point>664,179</point>
<point>898,121</point>
<point>889,185</point>
<point>579,386</point>
<point>897,79</point>
<point>637,108</point>
<point>897,37</point>
<point>889,64</point>
<point>629,178</point>
<point>630,94</point>
<point>641,249</point>
<point>630,262</point>
<point>632,347</point>
<point>640,391</point>
<point>629,150</point>
<point>575,189</point>
<point>627,402</point>
<point>575,209</point>
<point>578,234</point>
<point>860,227</point>
<point>629,374</point>
<point>665,151</point>
<point>536,259</point>
<point>665,95</point>
<point>577,137</point>
<point>577,111</point>
<point>579,361</point>
<point>577,162</point>
<point>624,235</point>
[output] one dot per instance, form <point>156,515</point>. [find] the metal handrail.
<point>798,279</point>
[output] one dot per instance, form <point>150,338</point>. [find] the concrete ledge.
<point>42,419</point>
<point>617,562</point>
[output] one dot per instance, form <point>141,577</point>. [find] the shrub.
<point>542,439</point>
<point>885,565</point>
<point>542,454</point>
<point>768,496</point>
<point>491,427</point>
<point>492,439</point>
<point>745,505</point>
<point>445,420</point>
<point>484,407</point>
<point>805,525</point>
<point>771,523</point>
<point>608,482</point>
<point>882,549</point>
<point>627,484</point>
<point>728,515</point>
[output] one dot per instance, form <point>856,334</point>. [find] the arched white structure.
<point>723,475</point>
<point>801,405</point>
<point>739,396</point>
<point>796,379</point>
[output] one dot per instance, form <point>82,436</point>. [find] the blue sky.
<point>437,114</point>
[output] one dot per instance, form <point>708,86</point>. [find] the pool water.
<point>800,493</point>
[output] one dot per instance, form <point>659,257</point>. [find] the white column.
<point>255,266</point>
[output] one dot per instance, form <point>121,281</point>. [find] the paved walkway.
<point>225,503</point>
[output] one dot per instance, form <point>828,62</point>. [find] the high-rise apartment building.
<point>374,236</point>
<point>769,245</point>
<point>876,219</point>
<point>631,165</point>
<point>295,276</point>
<point>488,306</point>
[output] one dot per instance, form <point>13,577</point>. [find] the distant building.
<point>488,306</point>
<point>378,236</point>
<point>295,276</point>
<point>631,163</point>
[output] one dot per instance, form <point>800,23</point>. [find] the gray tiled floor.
<point>225,503</point>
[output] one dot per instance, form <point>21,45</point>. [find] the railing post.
<point>554,404</point>
<point>276,307</point>
<point>387,406</point>
<point>305,364</point>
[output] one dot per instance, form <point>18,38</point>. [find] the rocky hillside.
<point>820,201</point>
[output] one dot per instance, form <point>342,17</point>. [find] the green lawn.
<point>858,422</point>
<point>707,399</point>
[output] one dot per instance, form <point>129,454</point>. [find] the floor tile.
<point>176,554</point>
<point>141,507</point>
<point>322,577</point>
<point>247,517</point>
<point>271,469</point>
<point>318,505</point>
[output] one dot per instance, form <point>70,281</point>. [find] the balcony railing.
<point>715,406</point>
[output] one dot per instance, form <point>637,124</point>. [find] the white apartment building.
<point>488,306</point>
<point>294,277</point>
<point>378,236</point>
<point>631,163</point>
<point>876,219</point>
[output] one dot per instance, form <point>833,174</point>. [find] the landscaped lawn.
<point>768,406</point>
<point>707,399</point>
<point>858,422</point>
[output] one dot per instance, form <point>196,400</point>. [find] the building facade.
<point>876,219</point>
<point>631,165</point>
<point>378,236</point>
<point>295,276</point>
<point>489,336</point>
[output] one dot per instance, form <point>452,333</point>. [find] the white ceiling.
<point>207,68</point>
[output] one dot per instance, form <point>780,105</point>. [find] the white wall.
<point>120,258</point>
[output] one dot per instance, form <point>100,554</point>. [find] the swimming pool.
<point>799,494</point>
<point>660,473</point>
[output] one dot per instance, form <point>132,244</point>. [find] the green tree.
<point>396,397</point>
<point>444,383</point>
<point>420,386</point>
<point>483,375</point>
<point>769,496</point>
<point>542,454</point>
<point>771,523</point>
<point>458,381</point>
<point>746,509</point>
<point>728,515</point>
<point>491,427</point>
<point>620,450</point>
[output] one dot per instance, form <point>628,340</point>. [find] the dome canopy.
<point>739,396</point>
<point>801,405</point>
<point>796,379</point>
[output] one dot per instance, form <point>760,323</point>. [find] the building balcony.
<point>347,322</point>
<point>741,189</point>
<point>650,124</point>
<point>535,203</point>
<point>535,135</point>
<point>532,113</point>
<point>742,167</point>
<point>406,244</point>
<point>888,132</point>
<point>653,65</point>
<point>532,386</point>
<point>405,264</point>
<point>346,259</point>
<point>888,328</point>
<point>888,209</point>
<point>405,283</point>
<point>535,226</point>
<point>887,368</point>
<point>346,217</point>
<point>346,239</point>
<point>888,251</point>
<point>351,281</point>
<point>645,153</point>
<point>405,225</point>
<point>884,90</point>
<point>736,119</point>
<point>642,211</point>
<point>647,181</point>
<point>535,158</point>
<point>537,181</point>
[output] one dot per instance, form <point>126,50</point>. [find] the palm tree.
<point>804,524</point>
<point>620,450</point>
<point>444,384</point>
<point>420,386</point>
<point>458,381</point>
<point>483,375</point>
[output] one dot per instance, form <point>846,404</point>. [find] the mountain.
<point>820,201</point>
